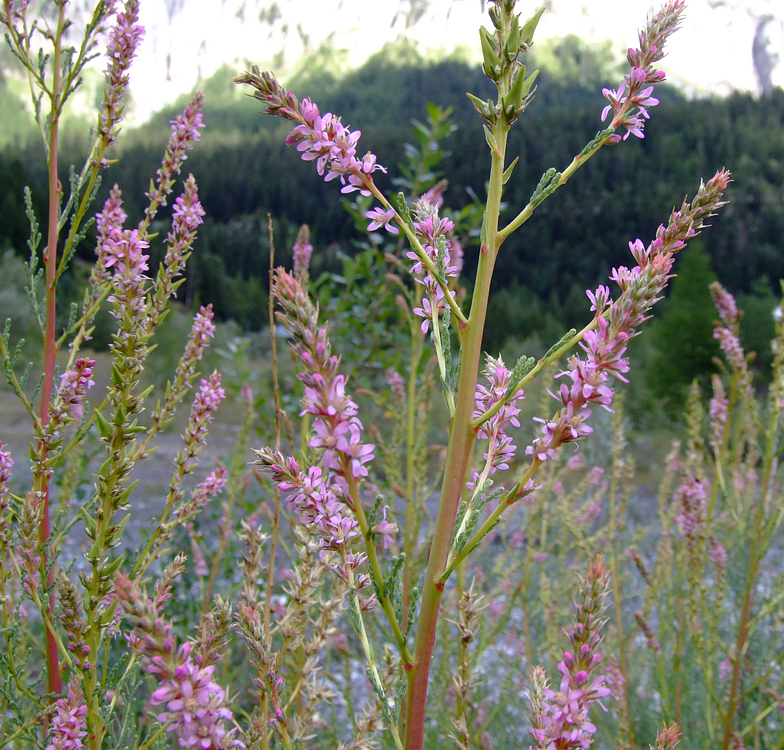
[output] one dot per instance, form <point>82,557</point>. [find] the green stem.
<point>370,548</point>
<point>461,441</point>
<point>409,535</point>
<point>489,522</point>
<point>540,365</point>
<point>577,162</point>
<point>371,662</point>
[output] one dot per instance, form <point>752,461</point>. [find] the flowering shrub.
<point>332,517</point>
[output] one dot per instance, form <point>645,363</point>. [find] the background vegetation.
<point>578,237</point>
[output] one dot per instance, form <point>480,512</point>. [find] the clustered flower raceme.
<point>616,322</point>
<point>186,219</point>
<point>338,430</point>
<point>124,39</point>
<point>205,403</point>
<point>560,718</point>
<point>321,138</point>
<point>434,233</point>
<point>251,623</point>
<point>428,205</point>
<point>603,357</point>
<point>302,251</point>
<point>187,216</point>
<point>691,498</point>
<point>73,622</point>
<point>69,723</point>
<point>68,405</point>
<point>210,488</point>
<point>728,336</point>
<point>501,448</point>
<point>320,502</point>
<point>202,330</point>
<point>27,550</point>
<point>124,252</point>
<point>630,102</point>
<point>192,703</point>
<point>396,385</point>
<point>6,464</point>
<point>718,413</point>
<point>185,134</point>
<point>112,216</point>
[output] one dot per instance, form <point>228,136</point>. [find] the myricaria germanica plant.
<point>224,624</point>
<point>469,508</point>
<point>60,684</point>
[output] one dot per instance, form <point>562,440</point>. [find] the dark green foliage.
<point>757,326</point>
<point>245,171</point>
<point>682,333</point>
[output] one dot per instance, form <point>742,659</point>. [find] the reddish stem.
<point>53,679</point>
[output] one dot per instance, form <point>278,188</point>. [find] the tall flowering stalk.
<point>560,717</point>
<point>53,79</point>
<point>78,634</point>
<point>338,438</point>
<point>603,341</point>
<point>190,704</point>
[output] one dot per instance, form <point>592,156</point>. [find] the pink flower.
<point>68,727</point>
<point>325,140</point>
<point>630,103</point>
<point>560,717</point>
<point>205,404</point>
<point>194,710</point>
<point>395,383</point>
<point>124,39</point>
<point>185,134</point>
<point>381,218</point>
<point>74,385</point>
<point>691,496</point>
<point>187,212</point>
<point>641,288</point>
<point>6,464</point>
<point>385,529</point>
<point>501,448</point>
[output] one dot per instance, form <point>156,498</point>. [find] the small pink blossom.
<point>124,39</point>
<point>68,728</point>
<point>381,218</point>
<point>74,385</point>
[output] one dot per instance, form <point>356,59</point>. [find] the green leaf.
<point>104,427</point>
<point>508,171</point>
<point>563,340</point>
<point>490,138</point>
<point>527,32</point>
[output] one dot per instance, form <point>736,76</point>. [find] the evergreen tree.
<point>682,335</point>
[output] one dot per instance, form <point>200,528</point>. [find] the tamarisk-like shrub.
<point>468,510</point>
<point>329,600</point>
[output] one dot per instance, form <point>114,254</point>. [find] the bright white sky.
<point>710,54</point>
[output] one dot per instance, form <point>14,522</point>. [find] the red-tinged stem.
<point>53,680</point>
<point>461,441</point>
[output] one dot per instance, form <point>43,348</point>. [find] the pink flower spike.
<point>68,727</point>
<point>124,39</point>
